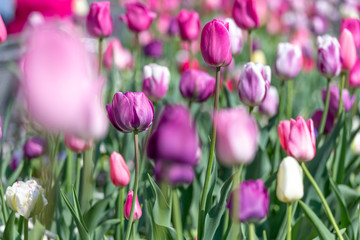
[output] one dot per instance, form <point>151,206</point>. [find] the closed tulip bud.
<point>26,198</point>
<point>329,124</point>
<point>197,85</point>
<point>189,25</point>
<point>156,81</point>
<point>348,100</point>
<point>76,144</point>
<point>118,56</point>
<point>237,136</point>
<point>98,21</point>
<point>138,17</point>
<point>288,61</point>
<point>297,138</point>
<point>154,49</point>
<point>270,103</point>
<point>253,200</point>
<point>328,61</point>
<point>354,77</point>
<point>3,32</point>
<point>245,14</point>
<point>236,38</point>
<point>347,50</point>
<point>34,147</point>
<point>215,44</point>
<point>290,186</point>
<point>254,83</point>
<point>127,207</point>
<point>353,25</point>
<point>119,172</point>
<point>130,112</point>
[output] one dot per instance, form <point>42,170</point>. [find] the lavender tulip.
<point>348,100</point>
<point>34,147</point>
<point>328,61</point>
<point>236,37</point>
<point>174,173</point>
<point>288,61</point>
<point>270,103</point>
<point>329,124</point>
<point>16,158</point>
<point>154,49</point>
<point>98,21</point>
<point>156,81</point>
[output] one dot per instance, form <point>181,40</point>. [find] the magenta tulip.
<point>288,61</point>
<point>189,25</point>
<point>354,77</point>
<point>353,25</point>
<point>348,53</point>
<point>76,144</point>
<point>156,81</point>
<point>138,17</point>
<point>34,147</point>
<point>3,32</point>
<point>119,172</point>
<point>98,21</point>
<point>328,61</point>
<point>127,207</point>
<point>245,14</point>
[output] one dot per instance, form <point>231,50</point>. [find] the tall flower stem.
<point>323,200</point>
<point>289,218</point>
<point>236,198</point>
<point>177,215</point>
<point>78,173</point>
<point>87,181</point>
<point>211,156</point>
<point>250,44</point>
<point>120,214</point>
<point>100,54</point>
<point>326,109</point>
<point>290,86</point>
<point>26,229</point>
<point>281,101</point>
<point>3,206</point>
<point>342,85</point>
<point>252,234</point>
<point>130,222</point>
<point>69,170</point>
<point>137,61</point>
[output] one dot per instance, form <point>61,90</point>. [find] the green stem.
<point>290,86</point>
<point>137,61</point>
<point>3,206</point>
<point>87,181</point>
<point>343,78</point>
<point>251,109</point>
<point>250,44</point>
<point>69,170</point>
<point>177,215</point>
<point>130,222</point>
<point>252,234</point>
<point>26,229</point>
<point>236,200</point>
<point>323,200</point>
<point>326,109</point>
<point>281,101</point>
<point>100,54</point>
<point>289,218</point>
<point>78,173</point>
<point>120,214</point>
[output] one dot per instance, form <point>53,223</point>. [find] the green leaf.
<point>78,210</point>
<point>37,232</point>
<point>14,176</point>
<point>10,232</point>
<point>94,215</point>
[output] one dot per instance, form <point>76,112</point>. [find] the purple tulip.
<point>254,83</point>
<point>189,25</point>
<point>348,100</point>
<point>16,158</point>
<point>154,49</point>
<point>174,173</point>
<point>288,61</point>
<point>270,103</point>
<point>236,37</point>
<point>173,27</point>
<point>328,61</point>
<point>245,15</point>
<point>253,200</point>
<point>318,25</point>
<point>130,112</point>
<point>156,81</point>
<point>215,44</point>
<point>329,124</point>
<point>34,147</point>
<point>138,17</point>
<point>98,21</point>
<point>197,85</point>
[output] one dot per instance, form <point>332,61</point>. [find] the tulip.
<point>297,138</point>
<point>347,50</point>
<point>253,200</point>
<point>174,173</point>
<point>354,77</point>
<point>173,27</point>
<point>215,44</point>
<point>270,103</point>
<point>154,49</point>
<point>34,147</point>
<point>235,127</point>
<point>245,14</point>
<point>289,186</point>
<point>288,61</point>
<point>116,55</point>
<point>236,38</point>
<point>258,56</point>
<point>254,83</point>
<point>156,81</point>
<point>3,32</point>
<point>197,85</point>
<point>347,100</point>
<point>183,61</point>
<point>98,21</point>
<point>76,144</point>
<point>138,17</point>
<point>318,25</point>
<point>16,159</point>
<point>329,123</point>
<point>127,207</point>
<point>328,61</point>
<point>26,198</point>
<point>353,25</point>
<point>119,172</point>
<point>130,112</point>
<point>189,25</point>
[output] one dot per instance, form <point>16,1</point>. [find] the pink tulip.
<point>215,44</point>
<point>354,77</point>
<point>328,60</point>
<point>353,25</point>
<point>117,55</point>
<point>297,138</point>
<point>189,25</point>
<point>98,21</point>
<point>245,14</point>
<point>127,207</point>
<point>3,32</point>
<point>76,144</point>
<point>347,49</point>
<point>288,61</point>
<point>138,17</point>
<point>119,172</point>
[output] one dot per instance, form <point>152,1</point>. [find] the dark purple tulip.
<point>154,49</point>
<point>197,85</point>
<point>253,199</point>
<point>329,124</point>
<point>348,100</point>
<point>174,173</point>
<point>34,147</point>
<point>16,158</point>
<point>130,112</point>
<point>173,27</point>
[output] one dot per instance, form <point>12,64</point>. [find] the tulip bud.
<point>119,172</point>
<point>156,81</point>
<point>127,207</point>
<point>245,14</point>
<point>3,32</point>
<point>138,17</point>
<point>236,38</point>
<point>297,138</point>
<point>196,85</point>
<point>254,83</point>
<point>328,61</point>
<point>116,55</point>
<point>329,123</point>
<point>189,25</point>
<point>354,77</point>
<point>253,200</point>
<point>76,144</point>
<point>290,186</point>
<point>130,112</point>
<point>347,50</point>
<point>34,147</point>
<point>353,25</point>
<point>154,49</point>
<point>26,198</point>
<point>288,61</point>
<point>270,103</point>
<point>348,100</point>
<point>98,21</point>
<point>215,44</point>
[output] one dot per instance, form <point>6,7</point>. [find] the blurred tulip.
<point>156,81</point>
<point>297,138</point>
<point>117,55</point>
<point>258,56</point>
<point>348,53</point>
<point>354,76</point>
<point>348,100</point>
<point>163,23</point>
<point>245,14</point>
<point>183,61</point>
<point>3,31</point>
<point>196,85</point>
<point>353,25</point>
<point>130,112</point>
<point>76,144</point>
<point>98,21</point>
<point>34,147</point>
<point>189,25</point>
<point>237,136</point>
<point>173,27</point>
<point>138,17</point>
<point>318,25</point>
<point>328,61</point>
<point>253,200</point>
<point>127,207</point>
<point>174,173</point>
<point>290,187</point>
<point>16,159</point>
<point>288,61</point>
<point>236,38</point>
<point>154,49</point>
<point>119,172</point>
<point>254,83</point>
<point>270,103</point>
<point>215,44</point>
<point>329,124</point>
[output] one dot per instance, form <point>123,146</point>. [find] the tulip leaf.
<point>37,232</point>
<point>10,232</point>
<point>78,209</point>
<point>93,216</point>
<point>322,230</point>
<point>104,227</point>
